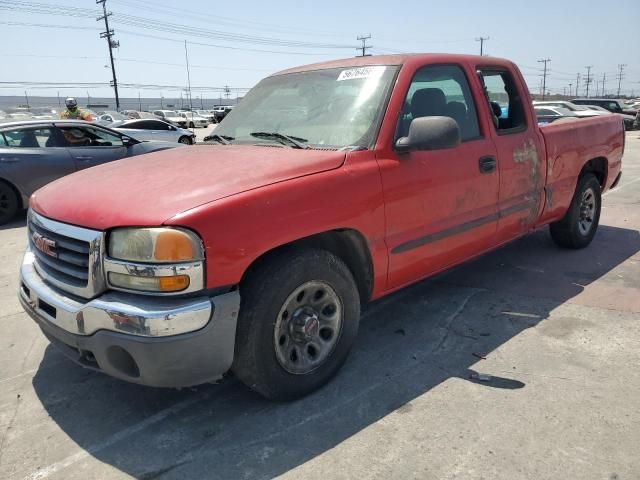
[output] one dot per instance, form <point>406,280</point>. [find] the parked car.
<point>403,170</point>
<point>171,116</point>
<point>628,119</point>
<point>110,117</point>
<point>222,111</point>
<point>34,153</point>
<point>154,130</point>
<point>547,114</point>
<point>578,110</point>
<point>611,104</point>
<point>137,114</point>
<point>194,120</point>
<point>208,114</point>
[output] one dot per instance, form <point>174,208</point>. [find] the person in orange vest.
<point>74,113</point>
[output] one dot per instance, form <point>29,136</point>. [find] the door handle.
<point>9,159</point>
<point>487,164</point>
<point>84,158</point>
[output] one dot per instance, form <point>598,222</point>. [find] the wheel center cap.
<point>305,323</point>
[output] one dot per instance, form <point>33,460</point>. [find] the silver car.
<point>194,120</point>
<point>154,130</point>
<point>34,153</point>
<point>171,116</point>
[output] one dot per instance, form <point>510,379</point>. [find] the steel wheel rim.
<point>587,211</point>
<point>308,327</point>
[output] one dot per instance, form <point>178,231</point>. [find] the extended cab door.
<point>521,160</point>
<point>440,204</point>
<point>90,145</point>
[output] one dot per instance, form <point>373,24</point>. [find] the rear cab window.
<point>504,100</point>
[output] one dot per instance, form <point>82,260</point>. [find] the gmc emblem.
<point>44,244</point>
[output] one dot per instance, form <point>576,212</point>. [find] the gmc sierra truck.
<point>329,186</point>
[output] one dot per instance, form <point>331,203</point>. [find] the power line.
<point>364,47</point>
<point>108,34</point>
<point>482,40</point>
<point>544,76</point>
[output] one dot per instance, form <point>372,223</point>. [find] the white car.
<point>578,110</point>
<point>208,114</point>
<point>171,116</point>
<point>147,129</point>
<point>194,120</point>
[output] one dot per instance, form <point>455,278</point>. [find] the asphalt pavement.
<point>522,364</point>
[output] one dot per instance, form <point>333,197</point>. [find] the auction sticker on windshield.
<point>361,72</point>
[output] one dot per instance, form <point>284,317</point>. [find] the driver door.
<point>90,146</point>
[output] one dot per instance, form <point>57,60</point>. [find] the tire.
<point>9,203</point>
<point>191,125</point>
<point>184,140</point>
<point>579,225</point>
<point>302,300</point>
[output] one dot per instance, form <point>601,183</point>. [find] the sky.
<point>237,43</point>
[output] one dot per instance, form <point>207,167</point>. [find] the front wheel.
<point>579,225</point>
<point>9,203</point>
<point>184,140</point>
<point>298,320</point>
<point>191,125</point>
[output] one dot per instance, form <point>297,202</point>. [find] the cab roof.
<point>398,59</point>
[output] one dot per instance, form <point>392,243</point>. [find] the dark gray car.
<point>34,153</point>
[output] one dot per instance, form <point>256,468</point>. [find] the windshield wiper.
<point>294,142</point>
<point>223,139</point>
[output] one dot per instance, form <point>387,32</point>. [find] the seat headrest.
<point>428,102</point>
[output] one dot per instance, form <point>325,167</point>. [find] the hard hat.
<point>71,102</point>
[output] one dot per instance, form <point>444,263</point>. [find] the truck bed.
<point>569,145</point>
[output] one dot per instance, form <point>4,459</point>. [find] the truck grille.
<point>69,260</point>
<point>66,256</point>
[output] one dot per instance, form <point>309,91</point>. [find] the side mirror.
<point>172,128</point>
<point>430,133</point>
<point>128,141</point>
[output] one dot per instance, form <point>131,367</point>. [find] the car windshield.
<point>170,113</point>
<point>332,108</point>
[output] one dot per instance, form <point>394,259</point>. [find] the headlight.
<point>155,260</point>
<point>155,245</point>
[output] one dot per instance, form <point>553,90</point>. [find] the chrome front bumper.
<point>164,342</point>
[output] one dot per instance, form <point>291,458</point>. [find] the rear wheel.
<point>191,125</point>
<point>184,140</point>
<point>579,225</point>
<point>9,203</point>
<point>298,320</point>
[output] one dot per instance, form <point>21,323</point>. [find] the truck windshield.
<point>332,108</point>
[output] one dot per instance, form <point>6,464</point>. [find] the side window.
<point>440,90</point>
<point>156,125</point>
<point>89,137</point>
<point>504,100</point>
<point>31,138</point>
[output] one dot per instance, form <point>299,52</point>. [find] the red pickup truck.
<point>329,186</point>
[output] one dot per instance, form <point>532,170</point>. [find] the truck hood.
<point>149,189</point>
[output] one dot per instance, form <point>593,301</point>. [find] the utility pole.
<point>620,75</point>
<point>570,86</point>
<point>59,104</point>
<point>112,44</point>
<point>604,79</point>
<point>139,101</point>
<point>227,93</point>
<point>589,79</point>
<point>186,56</point>
<point>544,75</point>
<point>26,97</point>
<point>577,83</point>
<point>364,47</point>
<point>482,40</point>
